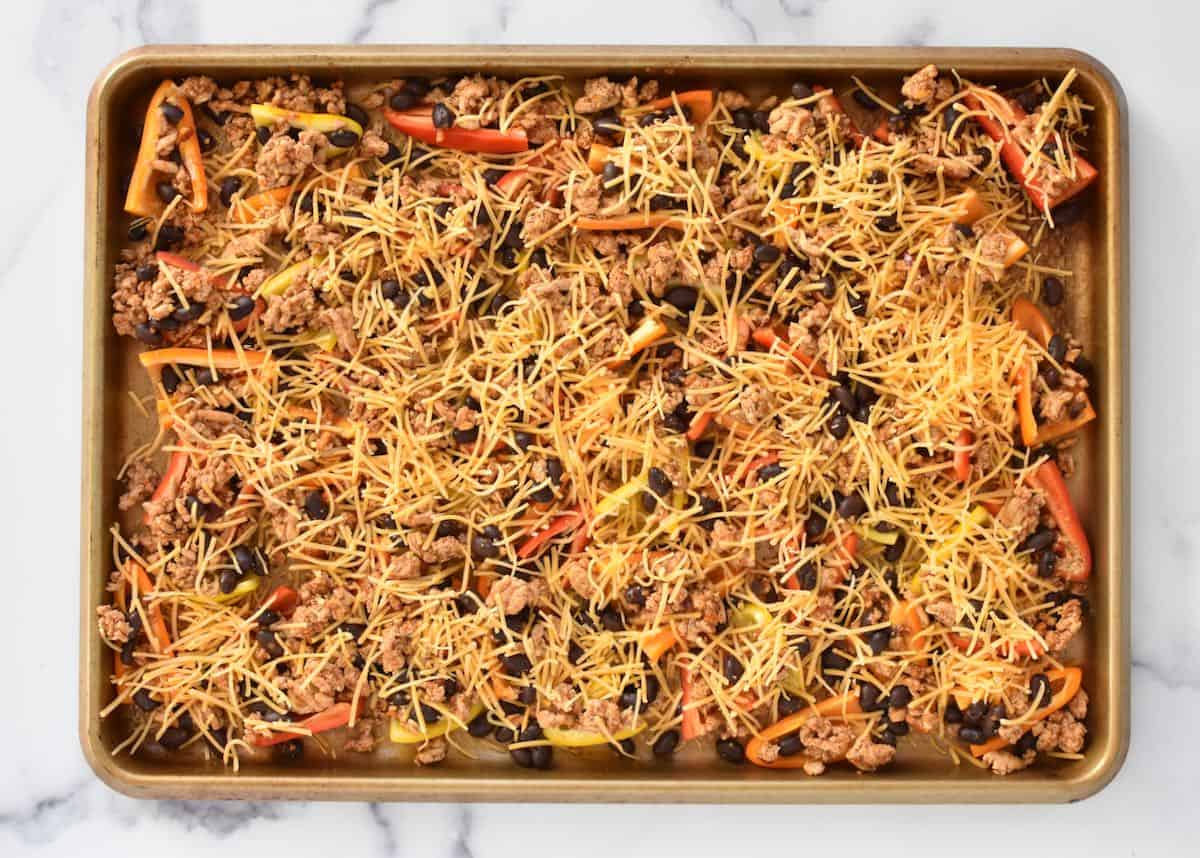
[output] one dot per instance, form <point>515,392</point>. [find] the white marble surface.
<point>50,804</point>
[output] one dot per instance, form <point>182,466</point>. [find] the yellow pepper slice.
<point>400,733</point>
<point>583,738</point>
<point>749,615</point>
<point>244,588</point>
<point>266,115</point>
<point>616,499</point>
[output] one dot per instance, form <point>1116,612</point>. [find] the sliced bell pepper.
<point>337,715</point>
<point>266,115</point>
<point>248,210</point>
<point>243,588</point>
<point>283,600</point>
<point>691,726</point>
<point>629,222</point>
<point>1071,679</point>
<point>1053,431</point>
<point>700,101</point>
<point>279,282</point>
<point>176,467</point>
<point>1025,418</point>
<point>400,733</point>
<point>770,340</point>
<point>1014,156</point>
<point>1049,479</point>
<point>835,106</point>
<point>598,156</point>
<point>649,331</point>
<point>142,199</point>
<point>419,125</point>
<point>562,524</point>
<point>1027,317</point>
<point>216,358</point>
<point>751,466</point>
<point>160,637</point>
<point>656,642</point>
<point>842,706</point>
<point>1021,649</point>
<point>963,445</point>
<point>565,738</point>
<point>698,425</point>
<point>617,498</point>
<point>968,207</point>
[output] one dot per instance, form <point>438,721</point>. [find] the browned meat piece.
<point>282,160</point>
<point>825,740</point>
<point>1006,762</point>
<point>114,627</point>
<point>1022,510</point>
<point>511,594</point>
<point>922,86</point>
<point>140,481</point>
<point>867,756</point>
<point>361,738</point>
<point>431,753</point>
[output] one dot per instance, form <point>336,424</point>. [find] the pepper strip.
<point>844,705</point>
<point>655,642</point>
<point>247,210</point>
<point>699,100</point>
<point>1025,416</point>
<point>1027,317</point>
<point>769,340</point>
<point>565,522</point>
<point>650,330</point>
<point>1014,156</point>
<point>1049,479</point>
<point>971,644</point>
<point>337,715</point>
<point>142,198</point>
<point>266,115</point>
<point>629,222</point>
<point>419,124</point>
<point>690,727</point>
<point>160,638</point>
<point>176,468</point>
<point>834,104</point>
<point>1072,680</point>
<point>962,455</point>
<point>1053,431</point>
<point>217,358</point>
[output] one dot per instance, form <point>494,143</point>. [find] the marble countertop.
<point>50,804</point>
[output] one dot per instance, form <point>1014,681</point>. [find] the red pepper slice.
<point>1049,479</point>
<point>337,715</point>
<point>562,524</point>
<point>283,599</point>
<point>1014,156</point>
<point>176,468</point>
<point>690,728</point>
<point>962,455</point>
<point>419,124</point>
<point>1022,649</point>
<point>769,340</point>
<point>142,198</point>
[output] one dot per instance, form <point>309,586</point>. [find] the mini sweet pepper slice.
<point>329,124</point>
<point>418,124</point>
<point>142,199</point>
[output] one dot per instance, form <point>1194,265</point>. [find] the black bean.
<point>242,306</point>
<point>147,332</point>
<point>483,547</point>
<point>878,640</point>
<point>1039,540</point>
<point>769,472</point>
<point>353,111</point>
<point>868,697</point>
<point>1051,376</point>
<point>659,482</point>
<point>1039,684</point>
<point>171,112</point>
<point>974,735</point>
<point>127,650</point>
<point>731,751</point>
<point>899,697</point>
<point>839,425</point>
<point>1052,291</point>
<point>1025,744</point>
<point>608,124</point>
<point>898,728</point>
<point>858,303</point>
<point>731,668</point>
<point>168,235</point>
<point>865,100</point>
<point>953,714</point>
<point>1057,348</point>
<point>504,734</point>
<point>245,560</point>
<point>541,757</point>
<point>762,121</point>
<point>765,254</point>
<point>174,737</point>
<point>610,173</point>
<point>516,664</point>
<point>315,505</point>
<point>228,580</point>
<point>189,313</point>
<point>801,91</point>
<point>230,185</point>
<point>1047,561</point>
<point>892,553</point>
<point>611,619</point>
<point>204,377</point>
<point>270,644</point>
<point>976,712</point>
<point>887,223</point>
<point>852,506</point>
<point>465,436</point>
<point>144,701</point>
<point>845,398</point>
<point>791,745</point>
<point>523,757</point>
<point>443,117</point>
<point>831,659</point>
<point>138,230</point>
<point>170,379</point>
<point>263,133</point>
<point>682,298</point>
<point>666,744</point>
<point>146,273</point>
<point>743,118</point>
